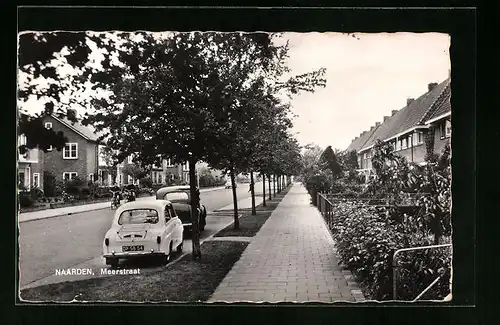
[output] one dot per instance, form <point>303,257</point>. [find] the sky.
<point>367,76</point>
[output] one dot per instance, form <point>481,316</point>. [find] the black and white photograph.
<point>227,167</point>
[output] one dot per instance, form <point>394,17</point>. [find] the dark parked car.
<point>180,196</point>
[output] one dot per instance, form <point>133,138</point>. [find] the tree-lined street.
<point>76,240</point>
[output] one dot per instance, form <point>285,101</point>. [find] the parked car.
<point>180,196</point>
<point>143,228</point>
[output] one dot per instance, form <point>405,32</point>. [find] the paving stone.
<point>292,258</point>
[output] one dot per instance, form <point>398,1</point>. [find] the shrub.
<point>73,187</point>
<point>366,238</point>
<point>36,194</point>
<point>146,182</point>
<point>49,184</point>
<point>25,199</point>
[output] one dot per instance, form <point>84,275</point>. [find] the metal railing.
<point>395,268</point>
<point>325,207</point>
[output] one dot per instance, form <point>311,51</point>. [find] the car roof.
<point>143,204</point>
<point>168,189</point>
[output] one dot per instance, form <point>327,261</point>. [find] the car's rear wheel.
<point>113,262</point>
<point>168,256</point>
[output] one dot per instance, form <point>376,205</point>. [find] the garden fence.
<point>395,269</point>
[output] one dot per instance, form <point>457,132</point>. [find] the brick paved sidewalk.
<point>290,259</point>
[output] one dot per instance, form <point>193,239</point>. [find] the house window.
<point>404,143</point>
<point>70,151</point>
<point>67,176</point>
<point>169,163</point>
<point>130,159</point>
<point>398,144</point>
<point>91,177</point>
<point>36,180</point>
<point>420,137</point>
<point>445,129</point>
<point>22,140</point>
<point>48,125</point>
<point>364,156</point>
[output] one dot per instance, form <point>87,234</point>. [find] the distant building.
<point>427,117</point>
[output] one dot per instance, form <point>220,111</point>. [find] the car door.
<point>178,228</point>
<point>169,225</point>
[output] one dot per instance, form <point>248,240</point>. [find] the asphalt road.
<point>75,241</point>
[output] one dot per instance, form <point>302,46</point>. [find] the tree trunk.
<point>263,190</point>
<point>195,199</point>
<point>235,201</point>
<point>274,185</point>
<point>252,190</point>
<point>269,187</point>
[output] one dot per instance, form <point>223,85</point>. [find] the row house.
<point>422,126</point>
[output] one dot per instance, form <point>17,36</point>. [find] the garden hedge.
<point>366,238</point>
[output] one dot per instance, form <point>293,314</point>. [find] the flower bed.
<point>366,238</point>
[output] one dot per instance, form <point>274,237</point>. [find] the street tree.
<point>54,69</point>
<point>135,170</point>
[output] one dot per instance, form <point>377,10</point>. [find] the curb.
<point>61,215</point>
<point>201,242</point>
<point>94,209</point>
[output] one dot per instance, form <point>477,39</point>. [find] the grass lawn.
<point>185,280</point>
<point>249,224</point>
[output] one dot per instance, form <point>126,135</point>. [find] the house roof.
<point>86,131</point>
<point>359,142</point>
<point>442,106</point>
<point>406,118</point>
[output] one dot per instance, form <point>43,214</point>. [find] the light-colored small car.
<point>143,228</point>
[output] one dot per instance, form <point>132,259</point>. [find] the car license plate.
<point>136,248</point>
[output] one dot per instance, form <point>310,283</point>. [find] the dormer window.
<point>48,125</point>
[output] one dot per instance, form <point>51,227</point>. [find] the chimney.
<point>385,118</point>
<point>408,101</point>
<point>394,111</point>
<point>377,124</point>
<point>431,86</point>
<point>371,128</point>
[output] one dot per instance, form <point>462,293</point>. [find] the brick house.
<point>30,167</point>
<point>422,126</point>
<point>79,157</point>
<point>82,156</point>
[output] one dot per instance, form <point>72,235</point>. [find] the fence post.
<point>393,261</point>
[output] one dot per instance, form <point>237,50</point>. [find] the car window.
<point>176,196</point>
<point>168,214</point>
<point>172,212</point>
<point>138,216</point>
